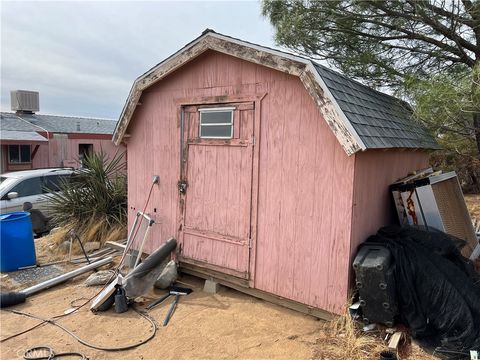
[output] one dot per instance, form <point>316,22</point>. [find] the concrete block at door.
<point>211,287</point>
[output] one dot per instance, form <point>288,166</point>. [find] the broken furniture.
<point>435,200</point>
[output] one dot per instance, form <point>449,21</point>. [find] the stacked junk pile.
<point>131,278</point>
<point>123,287</point>
<point>420,273</point>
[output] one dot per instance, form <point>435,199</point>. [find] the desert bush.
<point>93,201</point>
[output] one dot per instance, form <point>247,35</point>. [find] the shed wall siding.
<point>305,195</point>
<point>375,170</point>
<point>305,178</point>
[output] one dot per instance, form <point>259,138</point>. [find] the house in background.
<point>273,168</point>
<point>30,141</point>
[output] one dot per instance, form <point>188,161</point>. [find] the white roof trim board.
<point>29,136</point>
<point>342,127</point>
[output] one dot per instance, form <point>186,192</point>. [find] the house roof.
<point>21,136</point>
<point>361,118</point>
<point>55,124</point>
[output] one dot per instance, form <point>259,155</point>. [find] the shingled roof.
<point>361,118</point>
<point>55,124</point>
<point>381,120</point>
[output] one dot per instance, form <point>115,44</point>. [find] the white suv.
<point>30,185</point>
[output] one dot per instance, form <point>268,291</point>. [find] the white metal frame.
<point>214,110</point>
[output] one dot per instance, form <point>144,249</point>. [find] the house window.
<point>85,149</point>
<point>216,123</point>
<point>19,154</point>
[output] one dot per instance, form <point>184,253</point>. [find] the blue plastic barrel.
<point>17,248</point>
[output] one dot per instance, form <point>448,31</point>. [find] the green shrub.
<point>93,202</point>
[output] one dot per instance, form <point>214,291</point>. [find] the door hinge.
<point>249,242</point>
<point>253,140</point>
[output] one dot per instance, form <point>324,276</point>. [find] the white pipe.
<point>64,277</point>
<point>48,136</point>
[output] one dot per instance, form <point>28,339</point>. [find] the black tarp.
<point>438,290</point>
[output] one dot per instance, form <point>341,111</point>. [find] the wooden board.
<point>242,286</point>
<point>116,245</point>
<point>395,340</point>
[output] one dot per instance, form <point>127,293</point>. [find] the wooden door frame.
<point>256,99</point>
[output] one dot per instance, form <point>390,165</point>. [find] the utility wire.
<point>88,344</point>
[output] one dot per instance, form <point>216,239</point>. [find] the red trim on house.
<point>46,135</point>
<point>19,167</point>
<point>90,136</point>
<point>34,152</point>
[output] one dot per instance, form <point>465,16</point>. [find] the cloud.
<point>84,56</point>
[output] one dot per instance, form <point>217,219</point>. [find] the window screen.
<point>216,123</point>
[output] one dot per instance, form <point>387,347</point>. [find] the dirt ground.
<point>227,325</point>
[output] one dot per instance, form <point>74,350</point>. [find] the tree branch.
<point>433,24</point>
<point>449,33</point>
<point>413,36</point>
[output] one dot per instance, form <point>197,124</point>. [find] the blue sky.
<point>84,56</point>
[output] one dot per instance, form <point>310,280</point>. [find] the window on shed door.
<point>216,123</point>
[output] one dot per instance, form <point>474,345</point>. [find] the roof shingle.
<point>56,124</point>
<point>381,120</point>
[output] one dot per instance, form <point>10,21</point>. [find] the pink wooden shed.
<point>273,168</point>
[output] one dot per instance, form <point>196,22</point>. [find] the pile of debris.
<point>421,274</point>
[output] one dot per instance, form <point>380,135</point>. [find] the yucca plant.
<point>93,201</point>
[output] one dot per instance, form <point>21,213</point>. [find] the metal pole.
<point>49,283</point>
<point>146,216</point>
<point>129,239</point>
<point>140,250</point>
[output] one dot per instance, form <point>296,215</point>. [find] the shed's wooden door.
<point>217,190</point>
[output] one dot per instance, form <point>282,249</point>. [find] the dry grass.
<point>473,204</point>
<point>95,231</point>
<point>343,338</point>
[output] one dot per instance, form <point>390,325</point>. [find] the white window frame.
<point>213,110</point>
